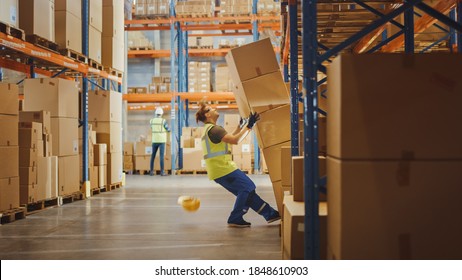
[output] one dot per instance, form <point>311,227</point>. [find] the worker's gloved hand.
<point>253,118</point>
<point>242,122</point>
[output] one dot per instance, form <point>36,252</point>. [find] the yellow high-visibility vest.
<point>159,133</point>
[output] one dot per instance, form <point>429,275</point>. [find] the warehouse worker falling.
<point>159,128</point>
<point>216,146</point>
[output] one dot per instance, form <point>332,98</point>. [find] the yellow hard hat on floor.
<point>189,203</point>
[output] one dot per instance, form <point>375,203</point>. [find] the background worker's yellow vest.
<point>218,160</point>
<point>159,133</point>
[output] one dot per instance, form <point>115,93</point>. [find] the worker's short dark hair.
<point>200,114</point>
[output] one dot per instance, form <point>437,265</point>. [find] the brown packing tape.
<point>404,243</point>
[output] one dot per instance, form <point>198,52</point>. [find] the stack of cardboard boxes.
<point>100,162</point>
<point>60,98</point>
<point>159,85</point>
<point>9,152</point>
<point>143,151</point>
<point>36,152</point>
<point>394,157</point>
<point>268,8</point>
<point>199,76</point>
<point>38,18</point>
<point>92,171</point>
<point>105,114</point>
<point>195,8</point>
<point>222,79</point>
<point>129,149</point>
<point>159,8</point>
<point>192,149</point>
<point>9,12</point>
<point>68,24</point>
<point>95,30</point>
<point>235,7</point>
<point>113,34</point>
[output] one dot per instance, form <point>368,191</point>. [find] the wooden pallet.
<point>70,198</point>
<point>113,72</point>
<point>12,31</point>
<point>40,205</point>
<point>96,191</point>
<point>128,171</point>
<point>9,216</point>
<point>146,48</point>
<point>42,42</point>
<point>142,172</point>
<point>74,55</point>
<point>95,64</point>
<point>151,16</point>
<point>114,186</point>
<point>193,172</point>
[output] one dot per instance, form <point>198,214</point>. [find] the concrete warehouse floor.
<point>143,221</point>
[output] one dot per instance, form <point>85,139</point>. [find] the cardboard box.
<point>9,165</point>
<point>27,194</point>
<point>65,141</point>
<point>28,175</point>
<point>143,148</point>
<point>167,161</point>
<point>38,18</point>
<point>128,166</point>
<point>9,193</point>
<point>9,99</point>
<point>193,159</point>
<point>96,14</point>
<point>68,182</point>
<point>369,119</point>
<point>43,177</point>
<point>391,210</point>
<point>114,168</point>
<point>43,117</point>
<point>128,159</point>
<point>27,157</point>
<point>71,6</point>
<point>59,96</point>
<point>105,106</point>
<point>264,92</point>
<point>94,177</point>
<point>102,178</point>
<point>274,127</point>
<point>294,229</point>
<point>9,135</point>
<point>109,133</point>
<point>298,176</point>
<point>142,162</point>
<point>113,21</point>
<point>273,160</point>
<point>114,53</point>
<point>68,28</point>
<point>53,191</point>
<point>9,12</point>
<point>94,44</point>
<point>100,154</point>
<point>252,60</point>
<point>278,195</point>
<point>286,166</point>
<point>129,148</point>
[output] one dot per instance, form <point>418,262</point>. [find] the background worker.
<point>221,168</point>
<point>159,128</point>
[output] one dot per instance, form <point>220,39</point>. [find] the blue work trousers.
<point>243,188</point>
<point>155,147</point>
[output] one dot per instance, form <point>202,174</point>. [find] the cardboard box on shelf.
<point>286,166</point>
<point>380,209</point>
<point>9,12</point>
<point>60,100</point>
<point>43,117</point>
<point>9,193</point>
<point>96,15</point>
<point>68,182</point>
<point>104,106</point>
<point>9,99</point>
<point>65,140</point>
<point>27,157</point>
<point>71,6</point>
<point>365,119</point>
<point>43,177</point>
<point>274,127</point>
<point>38,18</point>
<point>100,154</point>
<point>114,168</point>
<point>278,195</point>
<point>143,148</point>
<point>273,160</point>
<point>294,229</point>
<point>9,165</point>
<point>94,177</point>
<point>53,191</point>
<point>113,140</point>
<point>113,21</point>
<point>68,31</point>
<point>114,53</point>
<point>102,178</point>
<point>142,162</point>
<point>94,44</point>
<point>298,175</point>
<point>9,135</point>
<point>28,175</point>
<point>129,148</point>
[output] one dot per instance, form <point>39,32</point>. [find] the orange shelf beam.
<point>167,97</point>
<point>191,52</point>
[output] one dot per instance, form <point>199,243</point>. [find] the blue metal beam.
<point>310,66</point>
<point>180,150</point>
<point>452,32</point>
<point>368,29</point>
<point>256,37</point>
<point>374,11</point>
<point>439,16</point>
<point>172,87</point>
<point>409,30</point>
<point>383,43</point>
<point>293,24</point>
<point>459,33</point>
<point>435,43</point>
<point>96,84</point>
<point>85,22</point>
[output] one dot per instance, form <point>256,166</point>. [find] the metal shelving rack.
<point>316,52</point>
<point>21,56</point>
<point>179,55</point>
